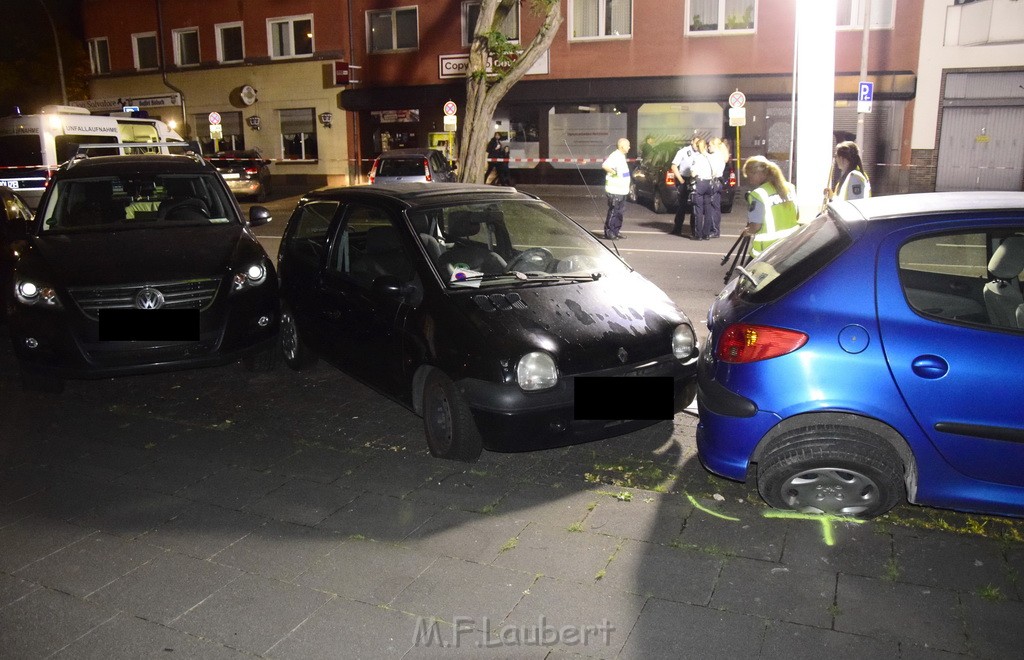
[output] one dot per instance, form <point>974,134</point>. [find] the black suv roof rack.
<point>193,150</point>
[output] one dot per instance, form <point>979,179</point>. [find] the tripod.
<point>741,247</point>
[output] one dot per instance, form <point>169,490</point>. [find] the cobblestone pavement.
<point>220,513</point>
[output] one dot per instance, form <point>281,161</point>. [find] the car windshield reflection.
<point>135,201</point>
<point>510,242</point>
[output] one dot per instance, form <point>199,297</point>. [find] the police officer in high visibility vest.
<point>772,214</point>
<point>853,182</point>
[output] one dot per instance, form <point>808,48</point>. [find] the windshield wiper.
<point>573,277</point>
<point>746,273</point>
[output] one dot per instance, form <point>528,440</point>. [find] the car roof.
<point>141,163</point>
<point>406,152</point>
<point>913,205</point>
<point>422,193</point>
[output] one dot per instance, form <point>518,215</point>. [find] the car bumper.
<point>510,419</point>
<point>730,427</point>
<point>67,346</point>
<point>245,186</point>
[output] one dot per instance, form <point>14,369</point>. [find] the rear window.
<point>790,262</point>
<point>401,167</point>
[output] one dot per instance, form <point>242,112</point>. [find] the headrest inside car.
<point>462,224</point>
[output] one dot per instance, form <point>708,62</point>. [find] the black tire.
<point>831,469</point>
<point>297,355</point>
<point>658,204</point>
<point>34,382</point>
<point>448,422</point>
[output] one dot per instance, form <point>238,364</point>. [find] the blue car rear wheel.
<point>833,470</point>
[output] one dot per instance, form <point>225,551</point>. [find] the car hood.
<point>140,255</point>
<point>586,326</point>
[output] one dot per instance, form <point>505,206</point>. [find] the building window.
<point>393,29</point>
<point>850,14</point>
<point>230,46</point>
<point>470,14</point>
<point>231,128</point>
<point>601,19</point>
<point>720,16</point>
<point>144,50</point>
<point>291,36</point>
<point>99,56</point>
<point>298,134</point>
<point>186,46</point>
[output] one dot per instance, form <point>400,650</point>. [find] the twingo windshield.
<point>510,241</point>
<point>789,262</point>
<point>135,201</point>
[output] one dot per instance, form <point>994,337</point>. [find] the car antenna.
<point>590,196</point>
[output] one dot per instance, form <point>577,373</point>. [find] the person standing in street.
<point>718,152</point>
<point>702,169</point>
<point>616,188</point>
<point>684,186</point>
<point>493,151</point>
<point>772,213</point>
<point>853,182</point>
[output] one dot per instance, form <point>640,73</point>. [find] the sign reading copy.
<point>457,66</point>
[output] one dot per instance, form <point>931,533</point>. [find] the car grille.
<point>188,294</point>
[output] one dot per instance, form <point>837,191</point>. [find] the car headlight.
<point>683,342</point>
<point>30,292</point>
<point>252,275</point>
<point>536,371</point>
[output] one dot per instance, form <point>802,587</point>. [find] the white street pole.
<point>863,69</point>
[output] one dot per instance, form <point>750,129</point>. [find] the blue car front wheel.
<point>833,470</point>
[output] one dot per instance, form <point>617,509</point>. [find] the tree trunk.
<point>484,90</point>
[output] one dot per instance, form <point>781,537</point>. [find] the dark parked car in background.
<point>501,321</point>
<point>15,215</point>
<point>135,264</point>
<point>411,166</point>
<point>873,357</point>
<point>247,173</point>
<point>653,183</point>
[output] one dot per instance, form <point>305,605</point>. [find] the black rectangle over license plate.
<point>149,324</point>
<point>624,397</point>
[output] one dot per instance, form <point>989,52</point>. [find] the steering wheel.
<point>532,260</point>
<point>185,207</point>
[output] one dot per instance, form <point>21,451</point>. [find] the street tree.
<point>495,65</point>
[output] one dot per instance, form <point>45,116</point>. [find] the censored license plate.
<point>623,397</point>
<point>149,324</point>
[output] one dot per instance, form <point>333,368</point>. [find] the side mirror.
<point>16,230</point>
<point>259,215</point>
<point>390,286</point>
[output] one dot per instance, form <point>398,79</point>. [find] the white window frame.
<point>290,20</point>
<point>304,140</point>
<point>94,56</point>
<point>856,19</point>
<point>176,36</point>
<point>138,36</point>
<point>394,11</point>
<point>218,31</point>
<point>722,18</point>
<point>601,20</point>
<point>467,36</point>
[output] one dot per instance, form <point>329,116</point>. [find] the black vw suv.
<point>139,263</point>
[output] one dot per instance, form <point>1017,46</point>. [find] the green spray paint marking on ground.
<point>826,520</point>
<point>693,501</point>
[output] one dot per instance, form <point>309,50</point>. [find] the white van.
<point>32,147</point>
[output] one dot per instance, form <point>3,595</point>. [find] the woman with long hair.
<point>772,213</point>
<point>853,182</point>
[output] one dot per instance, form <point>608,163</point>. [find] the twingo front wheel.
<point>296,354</point>
<point>448,422</point>
<point>833,470</point>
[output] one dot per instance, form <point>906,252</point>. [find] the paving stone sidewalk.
<point>223,514</point>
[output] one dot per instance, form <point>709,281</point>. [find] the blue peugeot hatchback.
<point>874,357</point>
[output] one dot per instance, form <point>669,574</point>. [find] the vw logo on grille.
<point>149,298</point>
<point>623,355</point>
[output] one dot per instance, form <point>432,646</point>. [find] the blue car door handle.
<point>929,366</point>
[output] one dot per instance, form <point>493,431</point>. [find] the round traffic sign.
<point>214,118</point>
<point>450,108</point>
<point>737,99</point>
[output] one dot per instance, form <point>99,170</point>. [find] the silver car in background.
<point>412,166</point>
